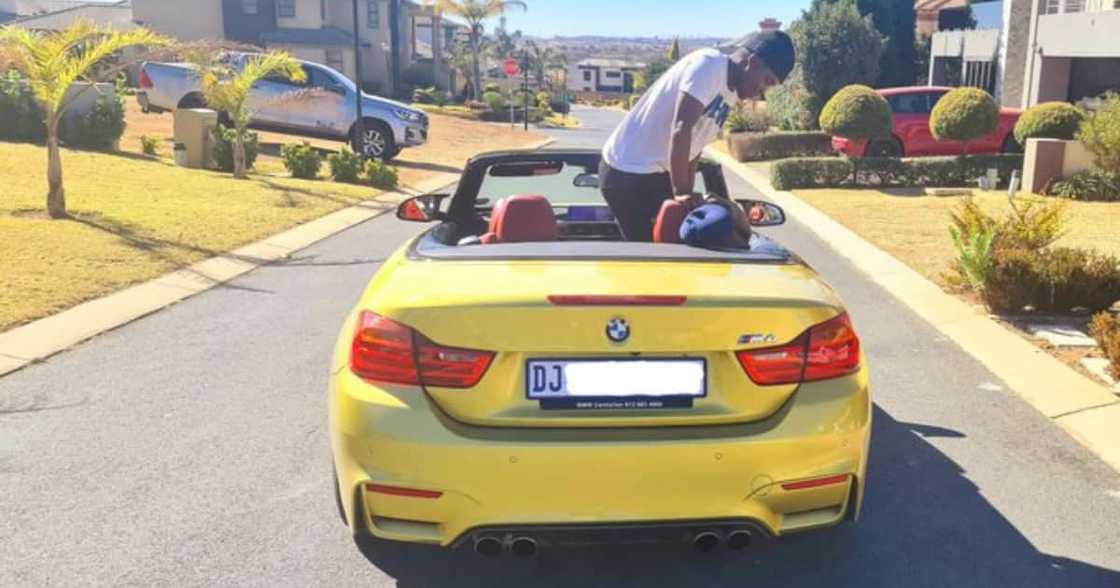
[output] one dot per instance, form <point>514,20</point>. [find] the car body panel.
<point>911,108</point>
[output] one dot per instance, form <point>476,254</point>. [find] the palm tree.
<point>544,59</point>
<point>227,83</point>
<point>52,63</point>
<point>475,12</point>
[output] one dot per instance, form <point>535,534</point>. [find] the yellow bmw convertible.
<point>520,376</point>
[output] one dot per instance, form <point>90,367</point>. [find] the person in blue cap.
<point>718,223</point>
<point>652,155</point>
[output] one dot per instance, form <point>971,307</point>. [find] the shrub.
<point>631,100</point>
<point>778,145</point>
<point>1090,185</point>
<point>1105,328</point>
<point>345,166</point>
<point>1100,132</point>
<point>747,120</point>
<point>791,106</point>
<point>476,105</point>
<point>149,145</point>
<point>1049,120</point>
<point>381,175</point>
<point>820,172</point>
<point>224,138</point>
<point>1014,281</point>
<point>964,114</point>
<point>975,254</point>
<point>857,112</point>
<point>302,161</point>
<point>100,128</point>
<point>491,87</point>
<point>494,101</point>
<point>21,119</point>
<point>1078,278</point>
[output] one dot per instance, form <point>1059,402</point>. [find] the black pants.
<point>635,199</point>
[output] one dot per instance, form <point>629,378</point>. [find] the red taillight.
<point>825,351</point>
<point>617,300</point>
<point>386,351</point>
<point>145,81</point>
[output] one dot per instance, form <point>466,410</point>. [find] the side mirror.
<point>422,209</point>
<point>763,214</point>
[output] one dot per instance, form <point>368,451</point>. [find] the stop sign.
<point>511,67</point>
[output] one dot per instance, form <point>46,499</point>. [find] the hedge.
<point>778,145</point>
<point>1049,120</point>
<point>1053,280</point>
<point>835,172</point>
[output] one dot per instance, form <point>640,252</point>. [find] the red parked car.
<point>911,136</point>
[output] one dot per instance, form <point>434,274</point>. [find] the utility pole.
<point>359,127</point>
<point>395,45</point>
<point>525,85</point>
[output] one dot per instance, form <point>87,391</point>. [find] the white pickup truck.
<point>330,113</point>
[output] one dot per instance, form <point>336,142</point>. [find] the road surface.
<point>189,448</point>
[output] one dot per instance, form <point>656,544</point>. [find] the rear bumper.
<point>507,479</point>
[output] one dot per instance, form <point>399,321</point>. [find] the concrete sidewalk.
<point>1085,409</point>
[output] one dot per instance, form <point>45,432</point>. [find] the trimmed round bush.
<point>857,112</point>
<point>495,101</point>
<point>1049,120</point>
<point>964,114</point>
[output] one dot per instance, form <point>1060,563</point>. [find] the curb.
<point>40,339</point>
<point>1084,408</point>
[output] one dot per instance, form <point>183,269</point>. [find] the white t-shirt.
<point>641,143</point>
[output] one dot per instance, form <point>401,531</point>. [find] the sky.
<point>668,18</point>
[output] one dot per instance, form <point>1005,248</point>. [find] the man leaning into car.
<point>652,155</point>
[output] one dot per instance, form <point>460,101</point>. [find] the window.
<point>909,103</point>
<point>587,75</point>
<point>323,9</point>
<point>335,60</point>
<point>286,8</point>
<point>373,14</point>
<point>249,7</point>
<point>614,75</point>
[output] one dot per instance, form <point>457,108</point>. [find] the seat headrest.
<point>667,229</point>
<point>523,218</point>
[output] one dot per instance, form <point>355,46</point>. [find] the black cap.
<point>775,48</point>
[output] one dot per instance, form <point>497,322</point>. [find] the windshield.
<point>572,185</point>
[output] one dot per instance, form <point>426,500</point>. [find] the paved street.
<point>190,448</point>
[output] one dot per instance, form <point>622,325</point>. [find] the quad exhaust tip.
<point>523,546</point>
<point>705,541</point>
<point>488,546</point>
<point>739,539</point>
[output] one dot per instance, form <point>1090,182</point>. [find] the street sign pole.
<point>525,88</point>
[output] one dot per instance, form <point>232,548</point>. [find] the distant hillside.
<point>642,49</point>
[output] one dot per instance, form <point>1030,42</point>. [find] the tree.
<point>675,50</point>
<point>896,21</point>
<point>475,13</point>
<point>836,47</point>
<point>652,72</point>
<point>964,114</point>
<point>542,60</point>
<point>227,83</point>
<point>859,113</point>
<point>1100,133</point>
<point>52,63</point>
<point>923,48</point>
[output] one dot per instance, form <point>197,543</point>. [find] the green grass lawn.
<point>133,220</point>
<point>915,228</point>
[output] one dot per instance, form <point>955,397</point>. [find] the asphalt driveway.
<point>189,448</point>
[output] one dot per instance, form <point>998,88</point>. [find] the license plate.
<point>616,384</point>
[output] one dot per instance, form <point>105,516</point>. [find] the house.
<point>315,30</point>
<point>940,15</point>
<point>115,15</point>
<point>1046,50</point>
<point>604,75</point>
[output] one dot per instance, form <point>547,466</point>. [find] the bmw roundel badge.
<point>618,330</point>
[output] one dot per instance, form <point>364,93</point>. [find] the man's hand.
<point>690,200</point>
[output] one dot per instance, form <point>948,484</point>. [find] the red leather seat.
<point>523,218</point>
<point>667,229</point>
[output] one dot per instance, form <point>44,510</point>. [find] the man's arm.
<point>689,111</point>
